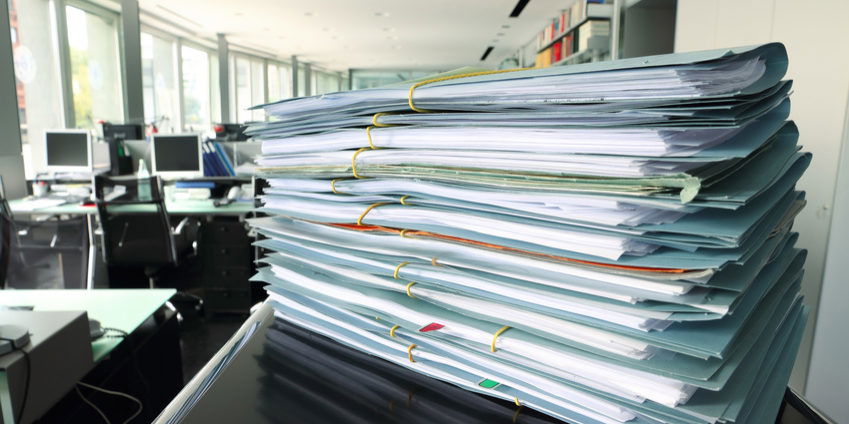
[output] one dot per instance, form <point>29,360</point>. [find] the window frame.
<point>251,59</point>
<point>278,64</point>
<point>64,50</point>
<point>113,16</point>
<point>178,66</point>
<point>212,55</point>
<point>179,42</point>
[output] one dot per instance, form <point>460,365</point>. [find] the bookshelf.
<point>650,30</point>
<point>577,34</point>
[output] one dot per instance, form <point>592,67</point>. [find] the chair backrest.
<point>135,224</point>
<point>6,228</point>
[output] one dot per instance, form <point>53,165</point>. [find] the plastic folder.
<point>606,243</point>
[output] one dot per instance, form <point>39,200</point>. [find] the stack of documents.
<point>607,242</point>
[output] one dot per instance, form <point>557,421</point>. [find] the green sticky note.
<point>488,384</point>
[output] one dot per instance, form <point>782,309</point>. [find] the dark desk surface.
<point>287,374</point>
<point>284,373</point>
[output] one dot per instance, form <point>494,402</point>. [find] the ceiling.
<point>370,34</point>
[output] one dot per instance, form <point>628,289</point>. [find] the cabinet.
<point>227,256</point>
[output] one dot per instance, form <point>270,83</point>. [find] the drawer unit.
<point>224,232</point>
<point>220,299</point>
<point>228,277</point>
<point>227,258</point>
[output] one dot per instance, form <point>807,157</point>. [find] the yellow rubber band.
<point>354,162</point>
<point>374,120</point>
<point>516,401</point>
<point>404,200</point>
<point>448,78</point>
<point>398,268</point>
<point>433,262</point>
<point>333,186</point>
<point>409,286</point>
<point>404,233</point>
<point>495,338</point>
<point>370,141</point>
<point>392,330</point>
<point>368,209</point>
<point>410,352</point>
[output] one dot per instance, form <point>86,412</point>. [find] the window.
<point>285,81</point>
<point>243,89</point>
<point>257,89</point>
<point>279,82</point>
<point>36,66</point>
<point>273,82</point>
<point>95,69</point>
<point>302,80</point>
<point>248,87</point>
<point>197,89</point>
<point>370,79</point>
<point>326,83</point>
<point>159,82</point>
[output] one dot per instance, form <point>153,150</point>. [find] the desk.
<point>272,371</point>
<point>284,373</point>
<point>189,207</point>
<point>150,351</point>
<point>122,309</point>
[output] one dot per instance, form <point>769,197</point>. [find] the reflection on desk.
<point>288,374</point>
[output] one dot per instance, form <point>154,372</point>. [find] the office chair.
<point>136,230</point>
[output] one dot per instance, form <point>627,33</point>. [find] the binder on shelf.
<point>225,160</point>
<point>216,162</point>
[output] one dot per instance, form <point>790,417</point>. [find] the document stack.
<point>607,242</point>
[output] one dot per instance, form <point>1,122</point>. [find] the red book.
<point>567,45</point>
<point>557,52</point>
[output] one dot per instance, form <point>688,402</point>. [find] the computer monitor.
<point>176,155</point>
<point>68,150</point>
<point>120,132</point>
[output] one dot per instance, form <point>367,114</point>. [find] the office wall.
<point>828,376</point>
<point>815,35</point>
